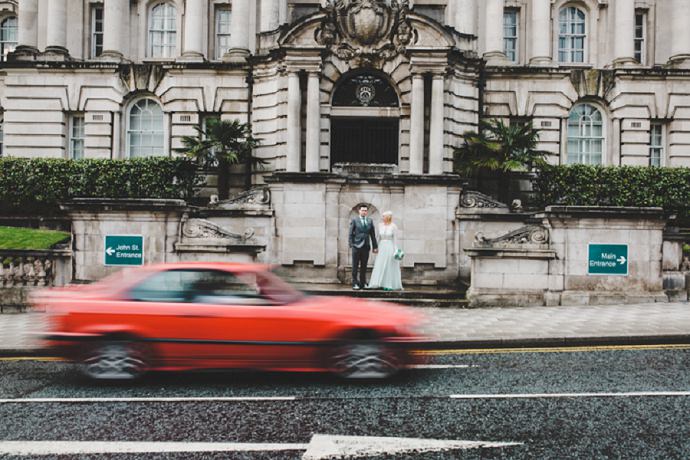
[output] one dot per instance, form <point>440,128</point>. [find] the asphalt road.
<point>612,403</point>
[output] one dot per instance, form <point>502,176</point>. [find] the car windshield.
<point>271,287</point>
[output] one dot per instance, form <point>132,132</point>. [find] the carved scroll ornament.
<point>529,235</point>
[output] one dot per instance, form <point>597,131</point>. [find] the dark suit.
<point>359,236</point>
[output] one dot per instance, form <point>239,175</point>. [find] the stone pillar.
<point>625,32</point>
<point>115,29</point>
<point>313,123</point>
<point>680,31</point>
<point>57,27</point>
<point>270,15</point>
<point>193,44</point>
<point>436,150</point>
<point>27,18</point>
<point>239,39</point>
<point>493,30</point>
<point>293,123</point>
<point>417,125</point>
<point>282,12</point>
<point>466,16</point>
<point>541,33</point>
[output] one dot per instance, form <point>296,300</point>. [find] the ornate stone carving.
<point>529,235</point>
<point>472,199</point>
<point>26,271</point>
<point>204,229</point>
<point>367,31</point>
<point>253,196</point>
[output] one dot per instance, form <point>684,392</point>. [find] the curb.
<point>491,344</point>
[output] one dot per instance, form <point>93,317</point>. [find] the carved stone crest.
<point>367,31</point>
<point>204,229</point>
<point>472,199</point>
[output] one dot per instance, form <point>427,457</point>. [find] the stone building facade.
<point>328,85</point>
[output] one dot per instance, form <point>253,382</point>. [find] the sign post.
<point>607,259</point>
<point>127,250</point>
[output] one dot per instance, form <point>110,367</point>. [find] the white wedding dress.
<point>386,272</point>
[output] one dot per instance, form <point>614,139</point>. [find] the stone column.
<point>270,15</point>
<point>541,33</point>
<point>625,32</point>
<point>193,44</point>
<point>57,27</point>
<point>436,150</point>
<point>466,16</point>
<point>27,18</point>
<point>239,39</point>
<point>115,29</point>
<point>293,123</point>
<point>417,125</point>
<point>313,123</point>
<point>493,30</point>
<point>680,31</point>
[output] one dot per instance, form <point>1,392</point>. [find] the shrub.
<point>587,185</point>
<point>38,185</point>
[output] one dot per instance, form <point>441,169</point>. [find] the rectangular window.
<point>96,30</point>
<point>510,34</point>
<point>206,122</point>
<point>656,144</point>
<point>2,134</point>
<point>76,137</point>
<point>223,27</point>
<point>640,36</point>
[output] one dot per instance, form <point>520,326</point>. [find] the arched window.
<point>8,36</point>
<point>572,35</point>
<point>163,31</point>
<point>585,135</point>
<point>145,129</point>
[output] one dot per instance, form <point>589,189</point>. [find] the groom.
<point>361,230</point>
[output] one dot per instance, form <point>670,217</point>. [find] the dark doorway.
<point>364,140</point>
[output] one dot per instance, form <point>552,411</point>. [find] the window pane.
<point>146,129</point>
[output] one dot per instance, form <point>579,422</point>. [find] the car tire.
<point>370,359</point>
<point>115,360</point>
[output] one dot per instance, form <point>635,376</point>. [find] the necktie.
<point>364,222</point>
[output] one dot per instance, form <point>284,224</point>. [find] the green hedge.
<point>38,185</point>
<point>585,185</point>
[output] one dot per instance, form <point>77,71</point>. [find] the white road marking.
<point>105,447</point>
<point>631,394</point>
<point>441,366</point>
<point>168,399</point>
<point>320,447</point>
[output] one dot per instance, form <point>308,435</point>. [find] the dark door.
<point>364,140</point>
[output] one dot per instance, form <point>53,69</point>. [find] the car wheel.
<point>364,359</point>
<point>115,360</point>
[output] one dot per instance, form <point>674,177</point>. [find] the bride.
<point>386,272</point>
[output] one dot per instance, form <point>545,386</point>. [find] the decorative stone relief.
<point>472,199</point>
<point>204,229</point>
<point>141,77</point>
<point>368,32</point>
<point>529,235</point>
<point>260,196</point>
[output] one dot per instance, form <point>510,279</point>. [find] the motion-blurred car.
<point>185,316</point>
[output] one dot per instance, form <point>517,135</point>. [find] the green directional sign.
<point>123,250</point>
<point>607,259</point>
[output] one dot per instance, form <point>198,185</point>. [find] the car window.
<point>221,287</point>
<point>166,286</point>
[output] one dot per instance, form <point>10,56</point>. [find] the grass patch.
<point>29,238</point>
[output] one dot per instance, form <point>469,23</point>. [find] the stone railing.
<point>22,271</point>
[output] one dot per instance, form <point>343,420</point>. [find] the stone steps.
<point>415,296</point>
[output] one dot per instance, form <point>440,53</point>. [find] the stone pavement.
<point>489,327</point>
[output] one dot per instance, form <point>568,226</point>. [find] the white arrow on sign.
<point>110,251</point>
<point>321,446</point>
<point>621,260</point>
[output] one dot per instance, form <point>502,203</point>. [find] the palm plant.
<point>498,149</point>
<point>222,144</point>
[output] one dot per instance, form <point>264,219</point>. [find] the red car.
<point>221,315</point>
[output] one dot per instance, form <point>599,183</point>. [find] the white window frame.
<point>657,144</point>
<point>584,154</point>
<point>128,130</point>
<point>95,33</point>
<point>515,39</point>
<point>218,35</point>
<point>565,55</point>
<point>640,38</point>
<point>168,41</point>
<point>76,138</point>
<point>8,45</point>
